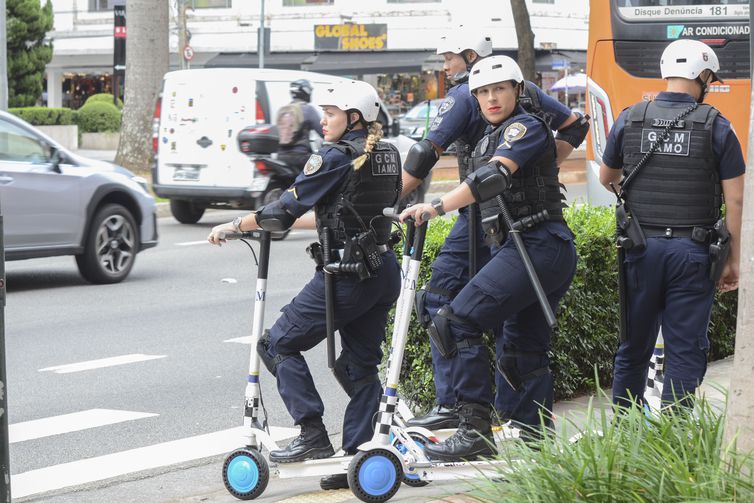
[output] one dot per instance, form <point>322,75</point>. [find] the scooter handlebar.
<point>238,235</point>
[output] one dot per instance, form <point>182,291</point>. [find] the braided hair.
<point>374,135</point>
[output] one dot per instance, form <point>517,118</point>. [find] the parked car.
<point>198,163</point>
<point>416,121</point>
<point>55,202</point>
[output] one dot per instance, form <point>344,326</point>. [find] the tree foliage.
<point>28,52</point>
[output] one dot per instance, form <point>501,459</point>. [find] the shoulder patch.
<point>313,164</point>
<point>446,105</point>
<point>514,132</point>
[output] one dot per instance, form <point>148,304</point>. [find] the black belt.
<point>698,234</point>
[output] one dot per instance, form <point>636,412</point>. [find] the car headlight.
<point>142,182</point>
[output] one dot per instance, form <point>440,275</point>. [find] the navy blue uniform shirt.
<point>307,190</point>
<point>725,144</point>
<point>527,135</point>
<point>556,112</point>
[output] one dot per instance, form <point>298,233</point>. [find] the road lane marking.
<point>66,423</point>
<point>103,362</point>
<point>193,243</point>
<point>240,340</point>
<point>89,470</point>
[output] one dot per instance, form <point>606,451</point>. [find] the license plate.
<point>186,173</point>
<point>259,183</point>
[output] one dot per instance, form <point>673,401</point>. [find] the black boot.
<point>334,481</point>
<point>312,443</point>
<point>472,439</point>
<point>440,417</point>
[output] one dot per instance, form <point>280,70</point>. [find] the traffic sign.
<point>188,53</point>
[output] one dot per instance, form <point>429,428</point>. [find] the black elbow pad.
<point>274,218</point>
<point>489,181</point>
<point>575,132</point>
<point>420,159</point>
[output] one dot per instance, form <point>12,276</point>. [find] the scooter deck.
<point>312,467</point>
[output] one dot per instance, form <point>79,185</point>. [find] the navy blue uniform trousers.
<point>668,285</point>
<point>450,273</point>
<point>361,309</point>
<point>501,293</point>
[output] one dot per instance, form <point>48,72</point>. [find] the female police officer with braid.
<point>348,182</point>
<point>516,159</point>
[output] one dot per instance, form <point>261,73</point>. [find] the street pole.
<point>260,40</point>
<point>3,59</point>
<point>4,440</point>
<point>182,31</point>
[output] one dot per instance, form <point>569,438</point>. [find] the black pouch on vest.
<point>362,248</point>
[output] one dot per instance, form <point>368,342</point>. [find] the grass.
<point>675,456</point>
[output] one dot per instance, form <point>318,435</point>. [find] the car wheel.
<point>185,212</point>
<point>111,246</point>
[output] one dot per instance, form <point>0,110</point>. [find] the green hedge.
<point>43,116</point>
<point>98,116</point>
<point>103,98</point>
<point>586,335</point>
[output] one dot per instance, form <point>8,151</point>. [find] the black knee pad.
<point>420,304</point>
<point>263,350</point>
<point>349,386</point>
<point>442,336</point>
<point>507,365</point>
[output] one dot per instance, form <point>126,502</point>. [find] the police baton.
<point>514,232</point>
<point>329,298</point>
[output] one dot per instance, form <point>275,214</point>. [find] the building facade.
<point>389,43</point>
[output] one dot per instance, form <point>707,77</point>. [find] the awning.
<point>281,60</point>
<point>366,63</point>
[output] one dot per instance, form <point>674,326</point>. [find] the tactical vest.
<point>680,185</point>
<point>534,188</point>
<point>463,153</point>
<point>365,192</point>
<point>531,103</point>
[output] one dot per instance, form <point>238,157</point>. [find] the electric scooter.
<point>246,471</point>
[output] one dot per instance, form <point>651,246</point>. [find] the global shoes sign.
<point>350,37</point>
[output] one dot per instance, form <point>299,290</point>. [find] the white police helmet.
<point>688,58</point>
<point>495,69</point>
<point>352,95</point>
<point>463,38</point>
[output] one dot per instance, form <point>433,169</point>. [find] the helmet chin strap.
<point>461,77</point>
<point>350,125</point>
<point>705,88</point>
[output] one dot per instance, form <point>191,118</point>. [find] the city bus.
<point>626,40</point>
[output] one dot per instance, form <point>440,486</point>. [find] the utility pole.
<point>260,41</point>
<point>182,38</point>
<point>3,60</point>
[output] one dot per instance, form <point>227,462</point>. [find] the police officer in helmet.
<point>516,160</point>
<point>673,186</point>
<point>348,183</point>
<point>460,123</point>
<point>295,121</point>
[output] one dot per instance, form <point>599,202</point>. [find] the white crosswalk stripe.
<point>101,363</point>
<point>66,423</point>
<point>144,458</point>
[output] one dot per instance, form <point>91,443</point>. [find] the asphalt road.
<point>108,374</point>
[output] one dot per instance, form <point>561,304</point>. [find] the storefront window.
<point>305,3</point>
<point>77,87</point>
<point>401,91</point>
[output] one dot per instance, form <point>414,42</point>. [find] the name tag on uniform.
<point>385,163</point>
<point>678,142</point>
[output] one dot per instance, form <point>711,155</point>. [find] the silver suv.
<point>55,202</point>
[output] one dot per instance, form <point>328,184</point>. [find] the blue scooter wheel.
<point>245,473</point>
<point>411,479</point>
<point>375,476</point>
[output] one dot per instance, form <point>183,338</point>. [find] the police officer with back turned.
<point>460,123</point>
<point>348,182</point>
<point>677,160</point>
<point>513,176</point>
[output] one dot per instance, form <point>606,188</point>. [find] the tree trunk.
<point>740,415</point>
<point>525,38</point>
<point>146,62</point>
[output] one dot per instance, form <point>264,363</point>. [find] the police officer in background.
<point>516,159</point>
<point>675,194</point>
<point>459,122</point>
<point>294,147</point>
<point>348,182</point>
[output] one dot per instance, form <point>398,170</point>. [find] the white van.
<point>198,163</point>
